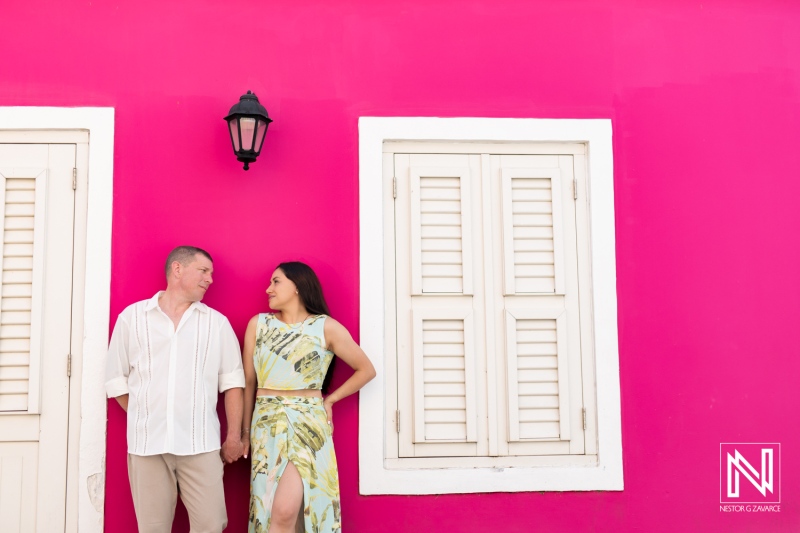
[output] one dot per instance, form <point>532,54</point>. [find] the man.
<point>167,358</point>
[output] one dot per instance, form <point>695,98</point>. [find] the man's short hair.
<point>184,255</point>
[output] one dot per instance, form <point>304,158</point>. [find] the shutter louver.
<point>16,301</point>
<point>444,377</point>
<point>531,230</point>
<point>440,236</point>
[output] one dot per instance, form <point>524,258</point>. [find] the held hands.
<point>232,449</point>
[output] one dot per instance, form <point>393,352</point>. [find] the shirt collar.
<point>152,303</point>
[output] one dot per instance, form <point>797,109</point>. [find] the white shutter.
<point>485,249</point>
<point>441,240</point>
<point>444,375</point>
<point>22,213</point>
<point>538,379</point>
<point>543,392</point>
<point>438,306</point>
<point>532,220</point>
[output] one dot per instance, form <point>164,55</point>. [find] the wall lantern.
<point>248,122</point>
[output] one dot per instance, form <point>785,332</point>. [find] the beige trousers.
<point>156,481</point>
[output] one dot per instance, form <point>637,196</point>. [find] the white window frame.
<point>374,475</point>
<point>99,123</point>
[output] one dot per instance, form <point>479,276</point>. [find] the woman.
<point>287,358</point>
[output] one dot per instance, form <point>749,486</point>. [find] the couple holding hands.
<point>168,358</point>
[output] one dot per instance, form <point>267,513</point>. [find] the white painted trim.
<point>99,122</point>
<point>374,477</point>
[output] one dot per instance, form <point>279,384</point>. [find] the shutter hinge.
<point>584,418</point>
<point>394,187</point>
<point>397,419</point>
<point>74,179</point>
<point>575,188</point>
<point>69,364</point>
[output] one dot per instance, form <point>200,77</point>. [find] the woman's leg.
<point>288,501</point>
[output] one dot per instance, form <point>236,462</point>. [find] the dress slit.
<point>300,525</point>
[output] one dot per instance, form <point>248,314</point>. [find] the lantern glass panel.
<point>248,125</point>
<point>260,131</point>
<point>233,125</point>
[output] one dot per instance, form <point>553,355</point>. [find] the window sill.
<point>446,463</point>
<point>496,479</point>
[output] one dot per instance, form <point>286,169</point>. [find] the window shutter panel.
<point>532,230</point>
<point>441,240</point>
<point>538,381</point>
<point>541,305</point>
<point>437,367</point>
<point>20,205</point>
<point>444,375</point>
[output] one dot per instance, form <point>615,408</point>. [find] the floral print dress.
<point>292,428</point>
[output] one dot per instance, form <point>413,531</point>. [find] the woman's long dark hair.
<point>310,291</point>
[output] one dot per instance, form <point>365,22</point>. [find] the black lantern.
<point>248,122</point>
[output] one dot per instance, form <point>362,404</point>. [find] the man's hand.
<point>231,449</point>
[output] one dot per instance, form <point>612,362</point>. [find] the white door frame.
<point>99,122</point>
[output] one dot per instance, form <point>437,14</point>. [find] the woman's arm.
<point>250,381</point>
<point>342,344</point>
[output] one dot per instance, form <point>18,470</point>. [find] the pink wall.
<point>706,115</point>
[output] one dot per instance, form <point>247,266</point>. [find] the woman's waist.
<point>301,403</point>
<point>297,393</point>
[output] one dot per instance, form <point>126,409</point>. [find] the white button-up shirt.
<point>172,376</point>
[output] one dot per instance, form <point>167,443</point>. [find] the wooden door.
<point>37,208</point>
